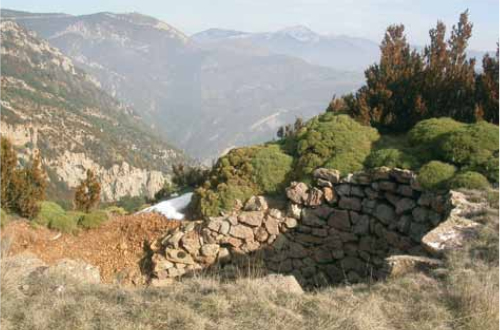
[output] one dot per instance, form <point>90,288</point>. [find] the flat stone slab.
<point>449,235</point>
<point>403,264</point>
<point>457,229</point>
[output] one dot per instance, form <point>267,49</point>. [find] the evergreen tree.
<point>460,91</point>
<point>487,89</point>
<point>391,97</point>
<point>9,175</point>
<point>33,185</point>
<point>88,193</point>
<point>21,189</point>
<point>406,87</point>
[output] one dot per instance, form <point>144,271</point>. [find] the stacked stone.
<point>339,229</point>
<point>347,226</point>
<point>199,245</point>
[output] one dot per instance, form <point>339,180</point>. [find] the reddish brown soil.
<point>116,247</point>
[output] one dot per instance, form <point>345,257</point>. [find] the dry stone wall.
<point>339,229</point>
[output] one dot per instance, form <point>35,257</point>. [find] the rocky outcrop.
<point>117,181</point>
<point>28,269</point>
<point>340,229</point>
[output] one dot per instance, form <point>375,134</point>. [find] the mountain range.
<point>337,52</point>
<point>202,98</point>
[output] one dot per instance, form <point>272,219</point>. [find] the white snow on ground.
<point>171,208</point>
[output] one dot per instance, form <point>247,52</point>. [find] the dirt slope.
<point>116,247</point>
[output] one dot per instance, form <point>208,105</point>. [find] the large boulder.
<point>456,229</point>
<point>298,192</point>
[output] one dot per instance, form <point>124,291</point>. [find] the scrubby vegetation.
<point>242,173</point>
<point>93,219</point>
<point>435,175</point>
<point>469,180</point>
<point>436,147</point>
<point>55,217</point>
<point>334,141</point>
<point>391,158</point>
<point>131,204</point>
<point>115,210</point>
<point>472,145</point>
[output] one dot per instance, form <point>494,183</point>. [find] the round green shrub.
<point>240,174</point>
<point>53,216</point>
<point>429,130</point>
<point>391,158</point>
<point>334,141</point>
<point>271,169</point>
<point>469,180</point>
<point>64,224</point>
<point>471,145</point>
<point>436,175</point>
<point>93,219</point>
<point>228,194</point>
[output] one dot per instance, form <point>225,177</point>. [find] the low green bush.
<point>63,224</point>
<point>436,175</point>
<point>427,132</point>
<point>241,173</point>
<point>75,215</point>
<point>93,219</point>
<point>131,204</point>
<point>53,216</point>
<point>271,169</point>
<point>469,180</point>
<point>334,141</point>
<point>391,158</point>
<point>115,210</point>
<point>471,145</point>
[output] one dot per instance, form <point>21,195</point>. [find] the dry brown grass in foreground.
<point>462,297</point>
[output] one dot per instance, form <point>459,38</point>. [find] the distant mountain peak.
<point>300,32</point>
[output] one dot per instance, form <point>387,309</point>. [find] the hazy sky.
<point>361,18</point>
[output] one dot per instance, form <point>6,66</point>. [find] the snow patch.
<point>171,208</point>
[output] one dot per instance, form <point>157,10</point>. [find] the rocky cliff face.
<point>50,105</point>
<point>117,181</point>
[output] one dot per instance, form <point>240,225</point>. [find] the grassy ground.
<point>462,297</point>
